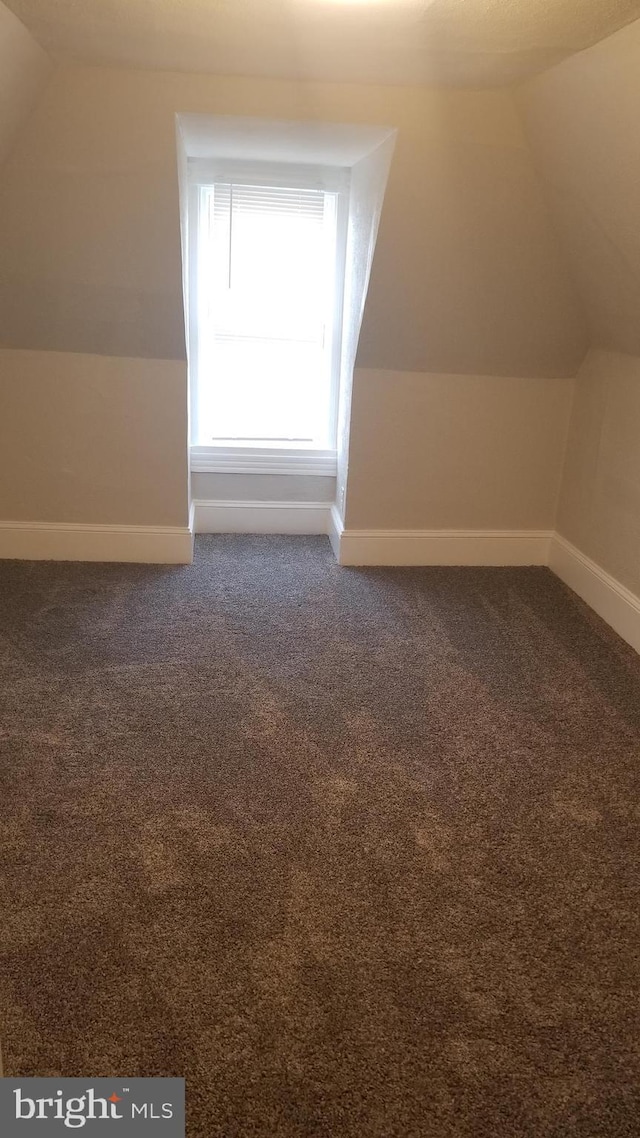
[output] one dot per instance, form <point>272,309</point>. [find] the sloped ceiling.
<point>24,70</point>
<point>465,42</point>
<point>467,276</point>
<point>582,122</point>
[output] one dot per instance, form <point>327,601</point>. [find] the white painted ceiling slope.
<point>454,42</point>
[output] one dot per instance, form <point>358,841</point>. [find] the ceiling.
<point>459,42</point>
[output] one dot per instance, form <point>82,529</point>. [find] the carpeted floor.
<point>355,851</point>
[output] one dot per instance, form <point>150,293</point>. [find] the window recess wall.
<point>329,179</point>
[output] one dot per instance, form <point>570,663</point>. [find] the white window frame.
<point>266,458</point>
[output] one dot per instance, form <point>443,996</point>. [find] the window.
<point>268,250</point>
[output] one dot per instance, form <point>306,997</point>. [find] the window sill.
<point>263,460</point>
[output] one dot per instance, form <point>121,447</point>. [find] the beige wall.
<point>92,439</point>
<point>583,120</point>
<point>600,500</point>
<point>455,452</point>
<point>24,70</point>
<point>466,278</point>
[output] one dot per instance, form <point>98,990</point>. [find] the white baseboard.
<point>262,517</point>
<point>440,547</point>
<point>173,545</point>
<point>336,530</point>
<point>617,605</point>
<point>66,541</point>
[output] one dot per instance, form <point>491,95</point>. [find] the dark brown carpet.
<point>355,851</point>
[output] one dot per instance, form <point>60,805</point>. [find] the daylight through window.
<point>269,275</point>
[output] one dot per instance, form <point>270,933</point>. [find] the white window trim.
<point>266,458</point>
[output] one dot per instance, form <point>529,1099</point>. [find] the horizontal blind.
<point>237,200</point>
<point>258,238</point>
